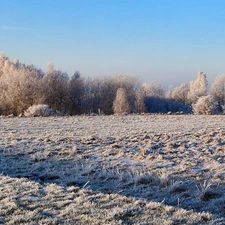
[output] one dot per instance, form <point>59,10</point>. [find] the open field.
<point>135,169</point>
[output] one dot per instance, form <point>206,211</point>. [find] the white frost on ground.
<point>135,169</point>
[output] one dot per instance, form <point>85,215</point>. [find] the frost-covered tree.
<point>198,88</point>
<point>121,103</point>
<point>3,59</point>
<point>180,93</point>
<point>19,86</point>
<point>153,89</point>
<point>130,84</point>
<point>140,102</point>
<point>205,105</point>
<point>218,90</point>
<point>50,68</point>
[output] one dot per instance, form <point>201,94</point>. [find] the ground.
<point>131,169</point>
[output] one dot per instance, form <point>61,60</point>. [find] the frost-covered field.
<point>146,169</point>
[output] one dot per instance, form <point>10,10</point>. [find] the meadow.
<point>130,169</point>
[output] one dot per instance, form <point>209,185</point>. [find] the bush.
<point>121,104</point>
<point>40,110</point>
<point>205,105</point>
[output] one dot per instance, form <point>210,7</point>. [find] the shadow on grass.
<point>134,181</point>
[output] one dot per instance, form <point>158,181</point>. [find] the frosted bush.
<point>121,104</point>
<point>205,105</point>
<point>40,110</point>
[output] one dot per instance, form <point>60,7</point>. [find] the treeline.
<point>22,86</point>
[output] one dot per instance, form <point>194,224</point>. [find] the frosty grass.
<point>135,169</point>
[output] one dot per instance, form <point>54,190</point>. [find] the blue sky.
<point>164,40</point>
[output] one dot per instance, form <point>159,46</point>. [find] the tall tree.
<point>121,103</point>
<point>55,84</point>
<point>75,94</point>
<point>198,88</point>
<point>140,102</point>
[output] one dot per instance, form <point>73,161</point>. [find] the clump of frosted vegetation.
<point>121,104</point>
<point>205,105</point>
<point>40,110</point>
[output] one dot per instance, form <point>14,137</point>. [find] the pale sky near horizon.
<point>164,40</point>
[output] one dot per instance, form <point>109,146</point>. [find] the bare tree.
<point>121,103</point>
<point>100,92</point>
<point>92,98</point>
<point>55,84</point>
<point>75,94</point>
<point>140,101</point>
<point>153,96</point>
<point>108,94</point>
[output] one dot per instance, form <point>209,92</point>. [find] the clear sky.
<point>164,40</point>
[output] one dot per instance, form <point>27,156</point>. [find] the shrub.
<point>121,104</point>
<point>40,110</point>
<point>205,105</point>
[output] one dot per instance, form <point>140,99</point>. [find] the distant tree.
<point>76,75</point>
<point>205,105</point>
<point>198,88</point>
<point>75,94</point>
<point>50,68</point>
<point>140,102</point>
<point>154,95</point>
<point>100,92</point>
<point>218,90</point>
<point>130,84</point>
<point>153,89</point>
<point>92,100</point>
<point>55,88</point>
<point>121,103</point>
<point>108,94</point>
<point>180,93</point>
<point>3,59</point>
